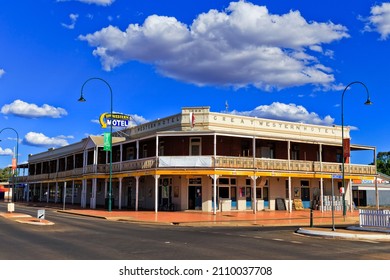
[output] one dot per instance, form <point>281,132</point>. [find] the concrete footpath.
<point>316,223</point>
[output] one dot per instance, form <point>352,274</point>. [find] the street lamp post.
<point>368,102</point>
<point>82,99</point>
<point>16,161</point>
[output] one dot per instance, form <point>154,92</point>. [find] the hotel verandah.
<point>197,159</point>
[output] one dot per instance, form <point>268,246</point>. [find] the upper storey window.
<point>161,148</point>
<point>145,151</point>
<point>295,152</point>
<point>195,147</point>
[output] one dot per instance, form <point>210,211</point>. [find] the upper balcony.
<point>207,162</point>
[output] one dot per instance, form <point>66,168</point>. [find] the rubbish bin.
<point>106,203</point>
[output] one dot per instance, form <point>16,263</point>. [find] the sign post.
<point>334,176</point>
<point>41,214</point>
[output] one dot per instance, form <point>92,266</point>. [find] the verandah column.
<point>321,181</point>
<point>254,178</point>
<point>156,177</point>
<point>56,192</point>
<point>47,192</point>
<point>64,196</point>
<point>214,178</point>
<point>136,192</point>
<point>322,193</point>
<point>350,195</point>
<point>120,193</point>
<point>289,195</point>
<point>84,193</point>
<point>92,201</point>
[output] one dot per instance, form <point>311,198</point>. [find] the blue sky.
<point>279,59</point>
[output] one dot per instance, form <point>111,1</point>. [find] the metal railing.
<point>374,218</point>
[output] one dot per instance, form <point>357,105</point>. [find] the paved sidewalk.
<point>231,218</point>
<point>351,232</point>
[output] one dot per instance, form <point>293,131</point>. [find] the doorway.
<point>165,194</point>
<point>195,197</point>
<point>359,197</point>
<point>233,197</point>
<point>305,197</point>
<point>248,197</point>
<point>266,197</point>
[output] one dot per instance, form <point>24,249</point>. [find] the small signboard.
<point>337,176</point>
<point>41,214</point>
<point>11,207</point>
<point>280,204</point>
<point>107,141</point>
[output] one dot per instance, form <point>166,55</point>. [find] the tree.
<point>383,162</point>
<point>5,174</point>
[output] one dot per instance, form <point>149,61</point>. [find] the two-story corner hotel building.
<point>201,160</point>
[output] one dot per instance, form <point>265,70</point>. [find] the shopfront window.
<point>223,192</point>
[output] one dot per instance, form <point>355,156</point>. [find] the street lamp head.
<point>368,102</point>
<point>81,99</point>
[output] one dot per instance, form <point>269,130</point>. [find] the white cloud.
<point>26,110</point>
<point>287,112</point>
<point>379,21</point>
<point>2,72</point>
<point>245,45</point>
<point>73,19</point>
<point>96,2</point>
<point>6,152</point>
<point>137,120</point>
<point>41,140</point>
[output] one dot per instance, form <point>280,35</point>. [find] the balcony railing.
<point>292,165</point>
<point>208,162</point>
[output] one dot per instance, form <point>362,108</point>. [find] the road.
<point>75,237</point>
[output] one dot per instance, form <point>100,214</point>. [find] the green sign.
<point>107,141</point>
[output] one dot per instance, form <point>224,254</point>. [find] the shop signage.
<point>119,120</point>
<point>107,141</point>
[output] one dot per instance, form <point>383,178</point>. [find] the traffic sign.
<point>41,214</point>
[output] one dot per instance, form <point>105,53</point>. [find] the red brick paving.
<point>301,218</point>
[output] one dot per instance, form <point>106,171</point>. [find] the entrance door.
<point>195,197</point>
<point>164,196</point>
<point>248,196</point>
<point>305,197</point>
<point>265,197</point>
<point>359,198</point>
<point>233,197</point>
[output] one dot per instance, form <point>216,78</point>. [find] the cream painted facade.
<point>201,160</point>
